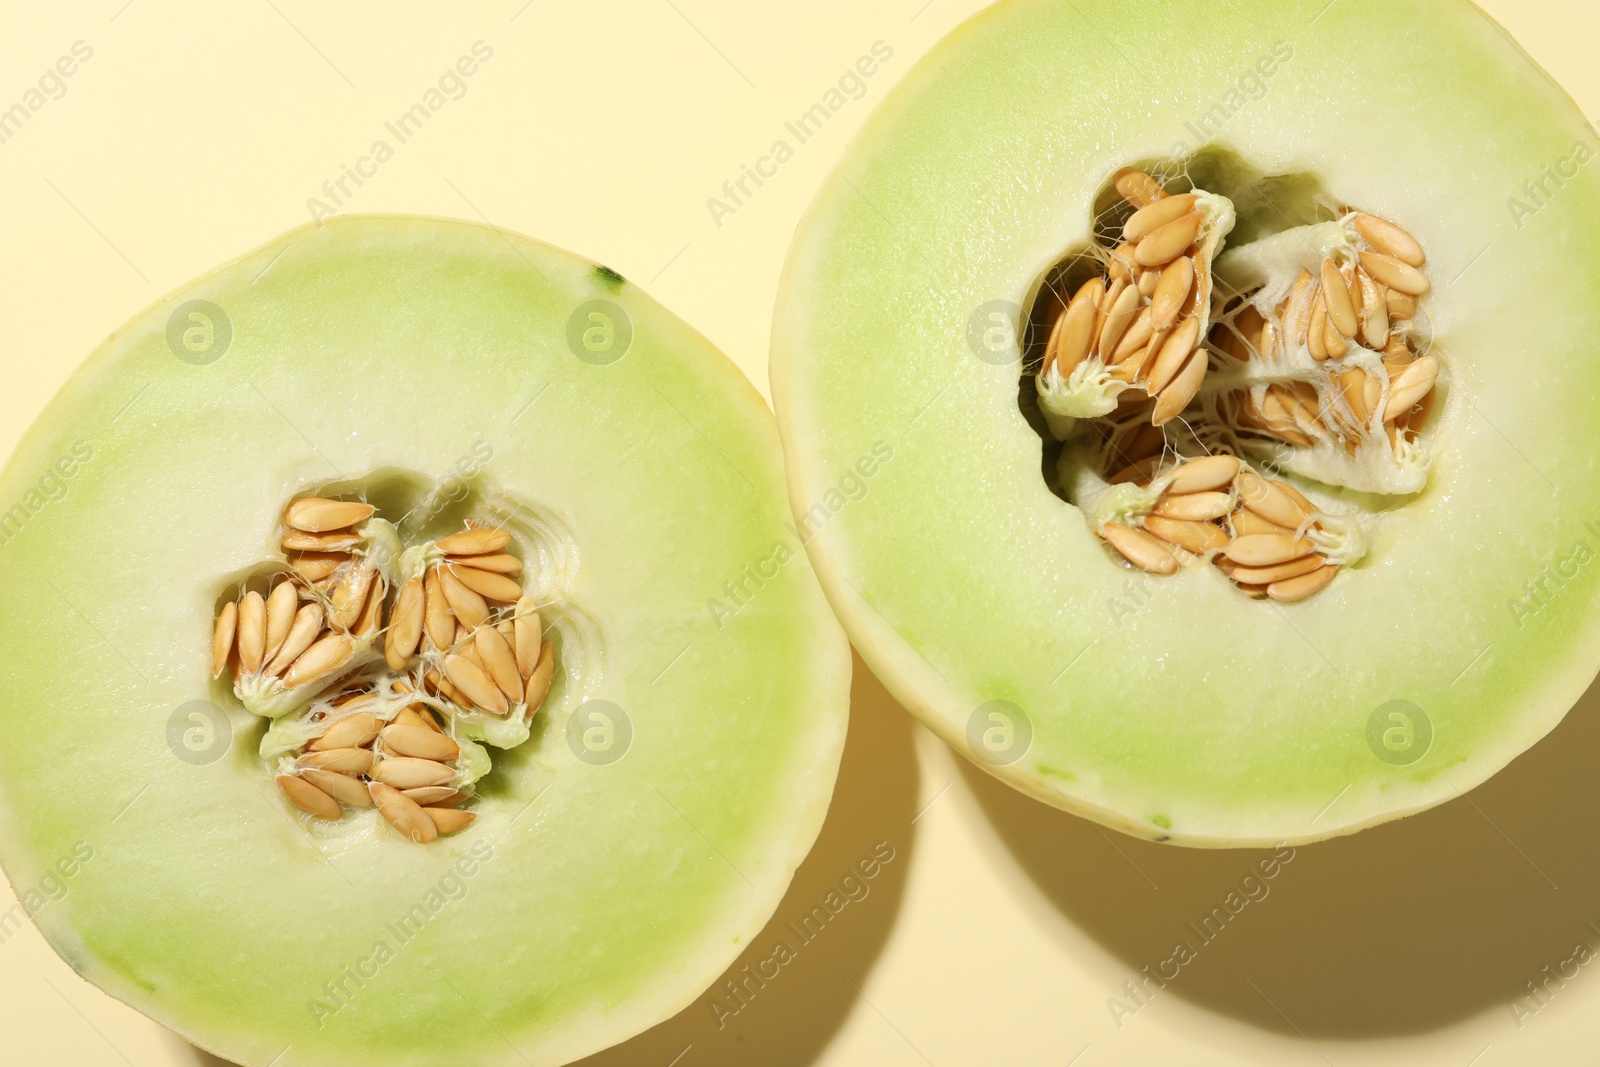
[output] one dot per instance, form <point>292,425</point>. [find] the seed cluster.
<point>402,767</point>
<point>1141,320</point>
<point>1369,300</point>
<point>462,638</point>
<point>1263,533</point>
<point>294,634</point>
<point>1141,323</point>
<point>471,609</point>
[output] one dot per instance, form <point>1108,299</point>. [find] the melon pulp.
<point>1176,708</point>
<point>677,772</point>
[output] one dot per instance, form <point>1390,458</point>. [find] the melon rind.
<point>1177,709</point>
<point>588,902</point>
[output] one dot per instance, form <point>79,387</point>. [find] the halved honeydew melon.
<point>986,577</point>
<point>598,845</point>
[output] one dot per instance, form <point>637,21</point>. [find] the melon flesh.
<point>1175,708</point>
<point>588,901</point>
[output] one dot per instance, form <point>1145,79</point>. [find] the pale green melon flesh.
<point>1194,714</point>
<point>611,895</point>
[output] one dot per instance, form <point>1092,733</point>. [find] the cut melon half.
<point>369,668</point>
<point>1239,364</point>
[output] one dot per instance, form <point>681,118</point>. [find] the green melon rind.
<point>962,579</point>
<point>622,891</point>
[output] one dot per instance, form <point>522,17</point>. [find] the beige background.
<point>1001,929</point>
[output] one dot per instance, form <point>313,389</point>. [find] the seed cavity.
<point>383,671</point>
<point>1192,386</point>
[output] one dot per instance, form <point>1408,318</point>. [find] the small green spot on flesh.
<point>1055,772</point>
<point>611,278</point>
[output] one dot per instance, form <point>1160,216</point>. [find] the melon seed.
<point>1176,396</point>
<point>420,742</point>
<point>1118,319</point>
<point>405,626</point>
<point>499,563</point>
<point>1137,187</point>
<point>1174,354</point>
<point>431,795</point>
<point>336,541</point>
<point>343,760</point>
<point>437,618</point>
<point>1390,240</point>
<point>487,584</point>
<point>1268,500</point>
<point>1172,290</point>
<point>473,542</point>
<point>470,608</point>
<point>449,820</point>
<point>1292,589</point>
<point>308,798</point>
<point>1409,386</point>
<point>525,636</point>
<point>410,772</point>
<point>321,659</point>
<point>1154,216</point>
<point>403,813</point>
<point>317,566</point>
<point>501,662</point>
<point>1077,330</point>
<point>1196,537</point>
<point>1199,475</point>
<point>252,631</point>
<point>1143,550</point>
<point>1395,274</point>
<point>1194,507</point>
<point>539,680</point>
<point>349,596</point>
<point>1341,311</point>
<point>371,618</point>
<point>316,515</point>
<point>341,787</point>
<point>1264,550</point>
<point>1167,243</point>
<point>281,607</point>
<point>475,684</point>
<point>222,638</point>
<point>307,624</point>
<point>352,731</point>
<point>1276,572</point>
